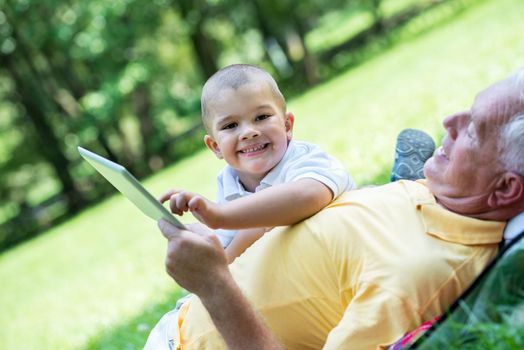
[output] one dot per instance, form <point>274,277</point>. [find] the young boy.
<point>269,180</point>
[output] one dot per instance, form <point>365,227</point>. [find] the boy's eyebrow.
<point>222,119</point>
<point>267,105</point>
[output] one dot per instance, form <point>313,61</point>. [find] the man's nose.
<point>455,122</point>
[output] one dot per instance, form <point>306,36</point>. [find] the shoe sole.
<point>413,148</point>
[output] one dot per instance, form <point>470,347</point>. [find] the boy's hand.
<point>204,210</point>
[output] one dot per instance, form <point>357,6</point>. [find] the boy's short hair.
<point>234,76</point>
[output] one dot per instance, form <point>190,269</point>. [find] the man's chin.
<point>430,171</point>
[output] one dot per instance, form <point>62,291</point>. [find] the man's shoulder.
<point>371,193</point>
<point>395,196</point>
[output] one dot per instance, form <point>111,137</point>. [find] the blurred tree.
<point>89,74</point>
<point>195,14</point>
<point>283,26</point>
<point>31,89</point>
<point>123,78</point>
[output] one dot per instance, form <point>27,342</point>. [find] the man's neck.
<point>476,207</point>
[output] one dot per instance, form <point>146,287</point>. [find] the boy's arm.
<point>279,205</point>
<point>242,240</point>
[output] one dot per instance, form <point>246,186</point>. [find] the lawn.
<point>98,280</point>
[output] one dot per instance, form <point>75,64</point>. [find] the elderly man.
<point>373,264</point>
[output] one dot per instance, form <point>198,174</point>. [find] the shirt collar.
<point>450,226</point>
<point>233,188</point>
<point>514,227</point>
<point>273,176</point>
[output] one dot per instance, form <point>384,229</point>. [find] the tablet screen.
<point>129,186</point>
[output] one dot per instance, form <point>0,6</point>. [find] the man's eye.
<point>229,126</point>
<point>470,131</point>
<point>262,117</point>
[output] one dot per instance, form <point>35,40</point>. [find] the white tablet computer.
<point>129,186</point>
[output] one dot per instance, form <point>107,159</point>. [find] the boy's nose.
<point>249,133</point>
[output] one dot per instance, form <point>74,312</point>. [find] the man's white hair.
<point>511,144</point>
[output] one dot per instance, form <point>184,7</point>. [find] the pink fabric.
<point>411,337</point>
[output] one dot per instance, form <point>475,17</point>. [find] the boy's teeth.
<point>253,149</point>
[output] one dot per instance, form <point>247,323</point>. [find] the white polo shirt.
<point>514,227</point>
<point>301,160</point>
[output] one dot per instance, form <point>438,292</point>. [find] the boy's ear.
<point>213,146</point>
<point>510,190</point>
<point>288,122</point>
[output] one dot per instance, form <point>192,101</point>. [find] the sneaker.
<point>413,148</point>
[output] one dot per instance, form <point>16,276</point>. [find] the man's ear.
<point>213,146</point>
<point>289,121</point>
<point>509,190</point>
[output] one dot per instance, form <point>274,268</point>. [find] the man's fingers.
<point>168,230</point>
<point>199,228</point>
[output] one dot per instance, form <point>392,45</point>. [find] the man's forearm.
<point>236,320</point>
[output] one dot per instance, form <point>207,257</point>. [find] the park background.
<point>81,267</point>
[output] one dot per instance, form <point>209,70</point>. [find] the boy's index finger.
<point>166,196</point>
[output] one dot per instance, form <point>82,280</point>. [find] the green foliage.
<point>132,334</point>
<point>123,79</point>
<point>493,336</point>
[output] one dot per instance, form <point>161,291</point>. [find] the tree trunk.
<point>204,47</point>
<point>32,88</point>
<point>309,63</point>
<point>48,142</point>
<point>142,107</point>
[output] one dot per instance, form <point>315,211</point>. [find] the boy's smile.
<point>253,150</point>
<point>249,129</point>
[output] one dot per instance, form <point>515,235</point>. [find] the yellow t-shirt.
<point>358,275</point>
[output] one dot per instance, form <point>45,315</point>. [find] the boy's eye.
<point>229,126</point>
<point>262,117</point>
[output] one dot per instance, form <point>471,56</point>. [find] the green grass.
<point>98,281</point>
<point>339,26</point>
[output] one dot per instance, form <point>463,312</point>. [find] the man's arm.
<point>197,262</point>
<point>279,205</point>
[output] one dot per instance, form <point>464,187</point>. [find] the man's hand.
<point>197,262</point>
<point>195,259</point>
<point>204,210</point>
